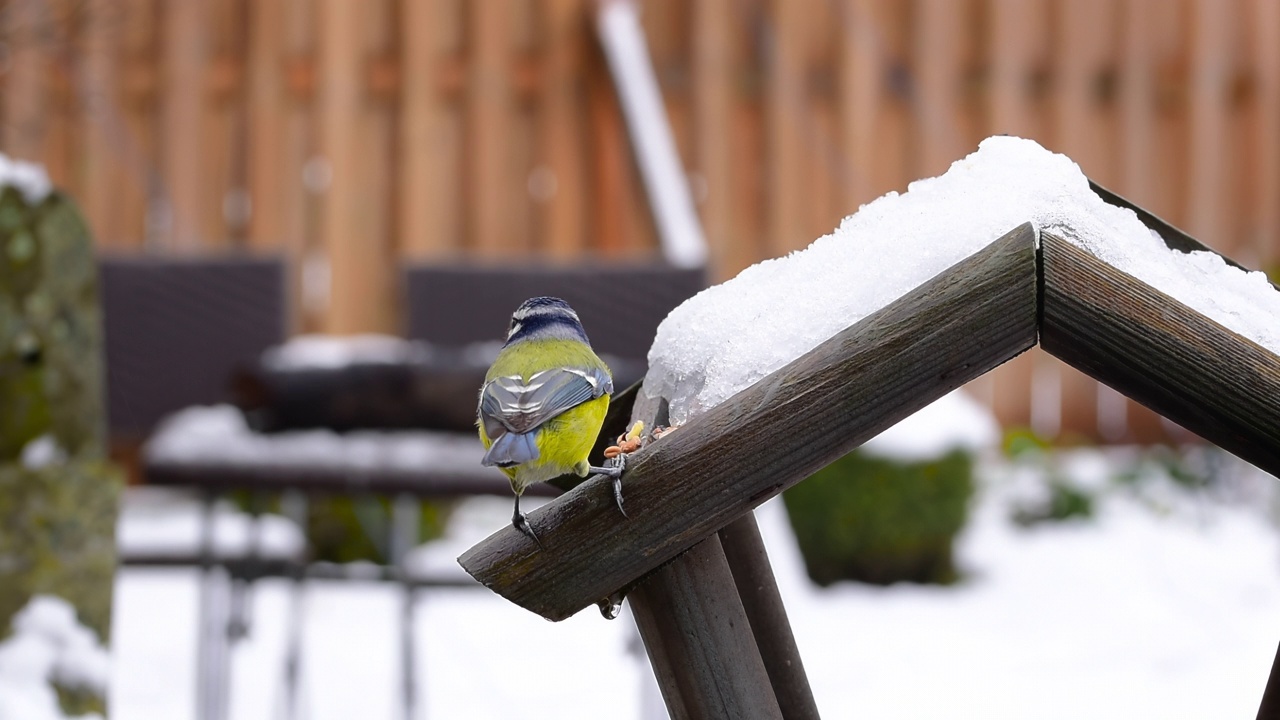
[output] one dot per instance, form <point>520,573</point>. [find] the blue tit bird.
<point>543,402</point>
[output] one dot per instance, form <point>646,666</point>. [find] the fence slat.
<point>105,175</point>
<point>712,108</point>
<point>182,123</point>
<point>1210,50</point>
<point>695,481</point>
<point>267,139</point>
<point>344,231</point>
<point>487,126</point>
<point>861,69</point>
<point>558,183</point>
<point>786,100</point>
<point>937,59</point>
<point>1264,231</point>
<point>25,101</point>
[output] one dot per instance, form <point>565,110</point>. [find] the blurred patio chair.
<point>176,331</point>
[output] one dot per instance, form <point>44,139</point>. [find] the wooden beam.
<point>699,640</point>
<point>758,590</point>
<point>968,319</point>
<point>1270,706</point>
<point>1161,353</point>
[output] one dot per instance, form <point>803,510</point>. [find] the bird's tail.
<point>511,449</point>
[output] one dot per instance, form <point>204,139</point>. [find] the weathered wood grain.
<point>1161,353</point>
<point>960,324</point>
<point>758,590</point>
<point>699,640</point>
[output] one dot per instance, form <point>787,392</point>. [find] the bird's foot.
<point>613,468</point>
<point>521,523</point>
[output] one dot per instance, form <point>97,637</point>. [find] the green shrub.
<point>882,521</point>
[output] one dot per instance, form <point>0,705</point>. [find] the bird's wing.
<point>509,404</point>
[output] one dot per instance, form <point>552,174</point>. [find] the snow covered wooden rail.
<point>706,474</point>
<point>710,617</point>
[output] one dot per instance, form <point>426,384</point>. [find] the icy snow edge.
<point>731,335</point>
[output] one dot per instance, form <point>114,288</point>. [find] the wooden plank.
<point>1210,58</point>
<point>139,119</point>
<point>60,147</point>
<point>422,125</point>
<point>105,175</point>
<point>268,125</point>
<point>488,110</point>
<point>223,220</point>
<point>1265,211</point>
<point>937,56</point>
<point>747,144</point>
<point>338,108</point>
<point>182,123</point>
<point>1136,98</point>
<point>26,87</point>
<point>1161,353</point>
<point>699,640</point>
<point>355,143</point>
<point>758,591</point>
<point>960,324</point>
<point>786,110</point>
<point>712,106</point>
<point>560,131</point>
<point>861,70</point>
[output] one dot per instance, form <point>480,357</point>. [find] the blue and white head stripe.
<point>545,317</point>
<point>544,307</point>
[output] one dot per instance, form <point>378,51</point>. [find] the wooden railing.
<point>684,553</point>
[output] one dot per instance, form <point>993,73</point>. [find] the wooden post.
<point>1269,708</point>
<point>700,640</point>
<point>749,562</point>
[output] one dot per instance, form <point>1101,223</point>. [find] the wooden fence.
<point>352,135</point>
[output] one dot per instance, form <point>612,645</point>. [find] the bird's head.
<point>544,318</point>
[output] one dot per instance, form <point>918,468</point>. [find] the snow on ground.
<point>729,336</point>
<point>48,645</point>
<point>1166,605</point>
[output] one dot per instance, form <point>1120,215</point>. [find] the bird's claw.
<point>521,523</point>
<point>613,468</point>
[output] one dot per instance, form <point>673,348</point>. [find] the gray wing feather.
<point>509,404</point>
